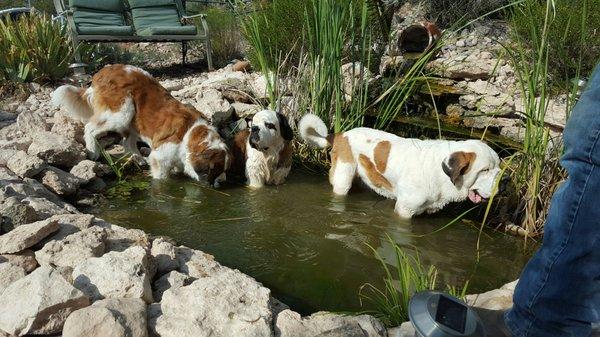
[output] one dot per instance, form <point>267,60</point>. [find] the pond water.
<point>310,246</point>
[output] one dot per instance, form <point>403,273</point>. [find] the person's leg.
<point>558,293</point>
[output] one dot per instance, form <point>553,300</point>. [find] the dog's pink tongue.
<point>474,197</point>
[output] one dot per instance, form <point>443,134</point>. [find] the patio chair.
<point>153,21</point>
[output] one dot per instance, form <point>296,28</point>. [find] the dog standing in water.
<point>128,100</point>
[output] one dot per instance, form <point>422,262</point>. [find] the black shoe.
<point>493,322</point>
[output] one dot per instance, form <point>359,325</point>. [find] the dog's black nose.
<point>255,129</point>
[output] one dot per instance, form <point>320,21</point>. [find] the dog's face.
<point>209,156</point>
<point>269,129</point>
<point>476,167</point>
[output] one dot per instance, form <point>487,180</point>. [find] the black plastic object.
<point>435,314</point>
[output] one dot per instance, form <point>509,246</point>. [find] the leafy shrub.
<point>226,38</point>
<point>574,33</point>
<point>36,49</point>
<point>280,24</point>
<point>33,48</point>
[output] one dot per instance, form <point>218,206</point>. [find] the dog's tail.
<point>314,131</point>
<point>76,101</point>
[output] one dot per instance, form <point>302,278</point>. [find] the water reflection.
<point>309,245</point>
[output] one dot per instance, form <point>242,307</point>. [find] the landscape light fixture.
<point>435,314</point>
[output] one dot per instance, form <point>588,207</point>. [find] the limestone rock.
<point>227,304</point>
<point>171,280</point>
<point>69,224</point>
<point>25,259</point>
<point>120,239</point>
<point>404,330</point>
<point>113,317</point>
<point>74,249</point>
<point>46,208</point>
<point>114,275</point>
<point>244,110</point>
<point>164,256</point>
<point>196,263</point>
<point>26,236</point>
<point>354,75</point>
<point>25,165</point>
<point>39,303</point>
<point>290,323</point>
<point>18,144</point>
<point>60,182</point>
<point>57,149</point>
<point>66,126</point>
<point>15,213</point>
<point>7,118</point>
<point>9,273</point>
<point>30,123</point>
<point>497,299</point>
<point>86,170</point>
<point>213,105</point>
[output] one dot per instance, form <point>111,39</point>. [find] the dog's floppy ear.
<point>458,164</point>
<point>284,125</point>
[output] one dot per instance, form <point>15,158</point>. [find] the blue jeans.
<point>558,293</point>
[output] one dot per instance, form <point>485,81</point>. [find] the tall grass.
<point>537,172</point>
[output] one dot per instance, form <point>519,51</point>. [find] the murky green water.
<point>308,245</point>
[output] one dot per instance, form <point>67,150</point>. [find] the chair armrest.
<point>187,17</point>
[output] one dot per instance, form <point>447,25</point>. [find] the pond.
<point>309,246</point>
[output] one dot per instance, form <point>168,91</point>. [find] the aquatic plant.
<point>537,172</point>
<point>411,276</point>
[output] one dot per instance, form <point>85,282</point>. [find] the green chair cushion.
<point>106,30</point>
<point>150,3</point>
<point>103,5</point>
<point>162,16</point>
<point>96,18</point>
<point>182,30</point>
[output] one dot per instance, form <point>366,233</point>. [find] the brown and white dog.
<point>422,175</point>
<point>128,100</point>
<point>263,153</point>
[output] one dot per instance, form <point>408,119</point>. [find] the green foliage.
<point>573,40</point>
<point>447,12</point>
<point>411,276</point>
<point>280,23</point>
<point>36,49</point>
<point>33,49</point>
<point>124,189</point>
<point>537,172</point>
<point>226,38</point>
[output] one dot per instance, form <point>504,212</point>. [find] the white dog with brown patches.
<point>422,175</point>
<point>128,100</point>
<point>263,153</point>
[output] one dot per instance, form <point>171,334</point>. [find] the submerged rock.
<point>39,303</point>
<point>115,317</point>
<point>115,275</point>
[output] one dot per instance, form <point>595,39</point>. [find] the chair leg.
<point>184,49</point>
<point>209,55</point>
<point>77,53</point>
